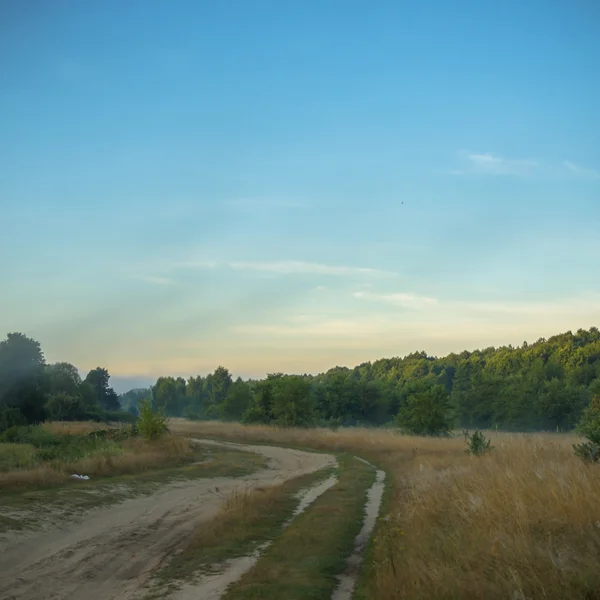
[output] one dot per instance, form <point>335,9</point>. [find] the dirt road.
<point>110,552</point>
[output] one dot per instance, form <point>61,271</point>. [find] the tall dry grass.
<point>522,522</point>
<point>134,456</point>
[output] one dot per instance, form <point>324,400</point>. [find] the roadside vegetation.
<point>520,521</point>
<point>306,553</point>
<point>39,456</point>
<point>35,456</point>
<point>305,559</point>
<point>248,519</point>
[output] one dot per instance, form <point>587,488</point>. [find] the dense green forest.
<point>540,386</point>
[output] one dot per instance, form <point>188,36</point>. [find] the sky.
<point>290,186</point>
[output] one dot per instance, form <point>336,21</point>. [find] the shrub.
<point>29,434</point>
<point>63,407</point>
<point>589,427</point>
<point>477,443</point>
<point>151,424</point>
<point>11,417</point>
<point>65,447</point>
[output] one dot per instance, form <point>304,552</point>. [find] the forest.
<point>541,386</point>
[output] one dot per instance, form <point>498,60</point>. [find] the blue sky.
<point>187,184</point>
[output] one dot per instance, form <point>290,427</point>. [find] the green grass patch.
<point>302,563</point>
<point>248,519</point>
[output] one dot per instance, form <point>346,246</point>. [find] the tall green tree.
<point>97,380</point>
<point>22,382</point>
<point>237,401</point>
<point>261,404</point>
<point>169,395</point>
<point>292,402</point>
<point>63,377</point>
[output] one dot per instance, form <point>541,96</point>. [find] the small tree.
<point>477,444</point>
<point>589,427</point>
<point>151,424</point>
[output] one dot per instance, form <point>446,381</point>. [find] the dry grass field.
<point>521,522</point>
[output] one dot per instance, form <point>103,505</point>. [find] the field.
<point>522,522</point>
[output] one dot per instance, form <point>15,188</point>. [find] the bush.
<point>63,407</point>
<point>151,424</point>
<point>477,443</point>
<point>11,417</point>
<point>588,451</point>
<point>589,427</point>
<point>65,447</point>
<point>29,434</point>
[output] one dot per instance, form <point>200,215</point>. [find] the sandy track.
<point>110,552</point>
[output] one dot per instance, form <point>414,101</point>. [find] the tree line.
<point>32,391</point>
<point>542,386</point>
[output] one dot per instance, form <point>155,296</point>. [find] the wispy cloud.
<point>581,171</point>
<point>294,267</point>
<point>265,202</point>
<point>402,300</point>
<point>151,279</point>
<point>451,322</point>
<point>474,163</point>
<point>492,164</point>
<point>318,328</point>
<point>284,267</point>
<point>583,304</point>
<point>194,264</point>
